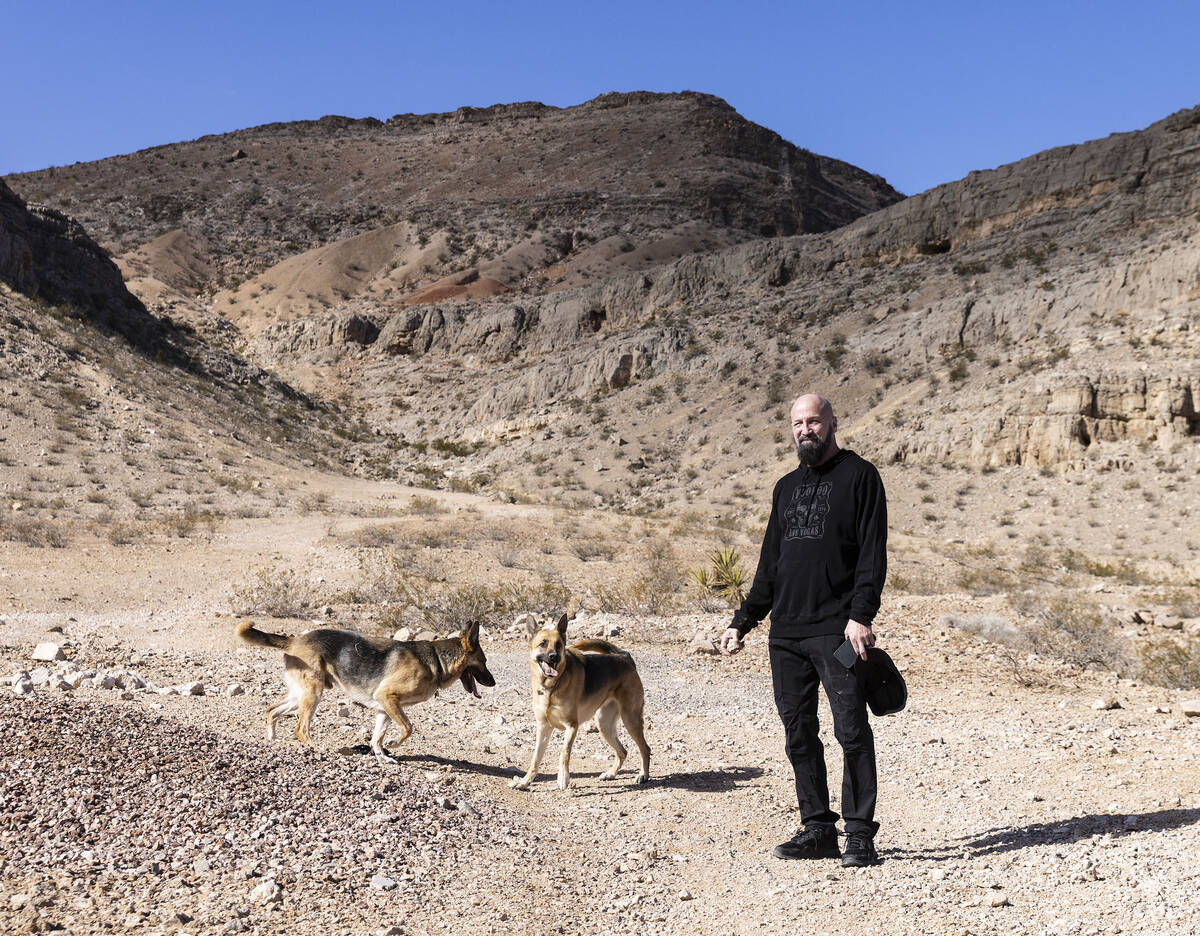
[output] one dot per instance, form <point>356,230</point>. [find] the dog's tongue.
<point>472,688</point>
<point>547,670</point>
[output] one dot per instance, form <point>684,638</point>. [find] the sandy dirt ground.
<point>1004,807</point>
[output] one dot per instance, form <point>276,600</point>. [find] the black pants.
<point>797,666</point>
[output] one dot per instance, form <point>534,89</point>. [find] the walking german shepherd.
<point>381,674</point>
<point>570,685</point>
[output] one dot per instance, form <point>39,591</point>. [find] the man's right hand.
<point>731,641</point>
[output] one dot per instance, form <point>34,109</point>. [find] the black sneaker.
<point>860,851</point>
<point>810,842</point>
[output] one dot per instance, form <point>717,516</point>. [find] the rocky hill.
<point>97,389</point>
<point>657,275</point>
<point>303,216</point>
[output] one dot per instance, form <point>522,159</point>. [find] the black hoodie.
<point>824,555</point>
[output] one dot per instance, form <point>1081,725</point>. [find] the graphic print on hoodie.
<point>805,515</point>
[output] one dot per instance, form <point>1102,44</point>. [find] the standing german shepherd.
<point>570,684</point>
<point>381,674</point>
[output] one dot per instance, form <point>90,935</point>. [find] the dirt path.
<point>1001,811</point>
<point>1004,809</point>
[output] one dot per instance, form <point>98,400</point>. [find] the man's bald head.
<point>814,429</point>
<point>813,401</point>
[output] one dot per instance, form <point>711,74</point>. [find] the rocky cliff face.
<point>48,256</point>
<point>1045,312</point>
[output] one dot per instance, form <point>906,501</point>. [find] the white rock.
<point>266,892</point>
<point>40,676</point>
<point>1190,707</point>
<point>106,681</point>
<point>23,688</point>
<point>192,688</point>
<point>59,683</point>
<point>48,652</point>
<point>403,634</point>
<point>77,679</point>
<point>611,630</point>
<point>999,899</point>
<point>685,895</point>
<point>234,689</point>
<point>1105,703</point>
<point>379,882</point>
<point>19,676</point>
<point>524,621</point>
<point>702,643</point>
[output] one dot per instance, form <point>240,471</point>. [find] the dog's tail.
<point>595,645</point>
<point>249,633</point>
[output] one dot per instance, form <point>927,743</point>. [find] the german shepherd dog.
<point>570,685</point>
<point>381,674</point>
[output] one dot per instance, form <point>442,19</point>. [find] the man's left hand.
<point>860,637</point>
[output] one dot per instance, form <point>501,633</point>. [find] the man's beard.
<point>811,451</point>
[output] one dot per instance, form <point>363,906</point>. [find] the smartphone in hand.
<point>845,654</point>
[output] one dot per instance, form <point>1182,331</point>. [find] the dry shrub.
<point>426,505</point>
<point>1074,629</point>
<point>33,531</point>
<point>655,588</point>
<point>183,523</point>
<point>275,593</point>
<point>446,608</point>
<point>120,533</point>
<point>1070,628</point>
<point>986,580</point>
<point>592,546</point>
<point>377,536</point>
<point>1169,661</point>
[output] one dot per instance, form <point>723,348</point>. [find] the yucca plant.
<point>725,579</point>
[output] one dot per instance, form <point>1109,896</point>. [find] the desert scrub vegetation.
<point>444,607</point>
<point>1077,631</point>
<point>1066,627</point>
<point>587,547</point>
<point>653,590</point>
<point>273,592</point>
<point>33,531</point>
<point>722,582</point>
<point>1171,661</point>
<point>419,504</point>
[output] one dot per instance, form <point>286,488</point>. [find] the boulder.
<point>48,652</point>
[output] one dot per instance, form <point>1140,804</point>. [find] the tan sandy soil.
<point>1004,808</point>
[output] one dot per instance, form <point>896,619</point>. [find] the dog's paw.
<point>519,783</point>
<point>608,775</point>
<point>643,778</point>
<point>385,758</point>
<point>564,780</point>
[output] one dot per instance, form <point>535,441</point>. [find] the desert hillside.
<point>405,373</point>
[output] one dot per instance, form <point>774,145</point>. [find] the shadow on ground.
<point>709,781</point>
<point>1063,831</point>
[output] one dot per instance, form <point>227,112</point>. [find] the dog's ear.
<point>532,626</point>
<point>470,635</point>
<point>562,625</point>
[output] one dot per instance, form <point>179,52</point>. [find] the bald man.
<point>820,574</point>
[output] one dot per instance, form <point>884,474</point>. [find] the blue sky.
<point>919,93</point>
